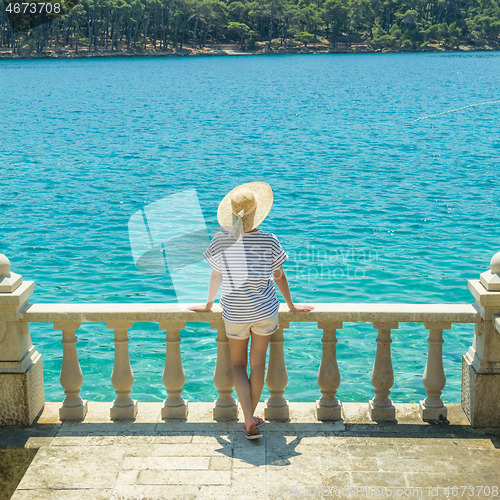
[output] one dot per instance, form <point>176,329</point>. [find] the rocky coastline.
<point>63,53</point>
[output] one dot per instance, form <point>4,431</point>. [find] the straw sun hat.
<point>245,207</point>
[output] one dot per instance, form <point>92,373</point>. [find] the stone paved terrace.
<point>150,458</point>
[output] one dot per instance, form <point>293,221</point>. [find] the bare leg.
<point>239,352</point>
<point>258,350</point>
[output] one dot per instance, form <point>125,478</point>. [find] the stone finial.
<point>495,263</point>
<point>9,281</point>
<point>490,279</point>
<point>4,265</point>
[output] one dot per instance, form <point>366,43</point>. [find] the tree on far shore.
<point>304,37</point>
<point>241,29</point>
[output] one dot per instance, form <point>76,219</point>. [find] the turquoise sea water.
<point>371,205</point>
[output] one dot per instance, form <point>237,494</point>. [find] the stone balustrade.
<point>483,357</point>
<point>73,407</point>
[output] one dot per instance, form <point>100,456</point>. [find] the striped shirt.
<point>247,265</point>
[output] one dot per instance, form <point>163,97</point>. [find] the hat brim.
<point>263,198</point>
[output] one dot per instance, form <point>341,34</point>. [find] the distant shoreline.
<point>355,49</point>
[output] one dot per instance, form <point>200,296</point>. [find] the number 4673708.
<point>33,8</point>
<point>471,491</point>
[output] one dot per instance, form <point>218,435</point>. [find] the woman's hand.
<point>202,308</point>
<point>300,308</point>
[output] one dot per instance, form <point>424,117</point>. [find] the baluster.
<point>74,407</point>
<point>122,378</point>
<point>225,405</point>
<point>277,378</point>
<point>434,379</point>
<point>173,373</point>
<point>328,406</point>
<point>381,407</point>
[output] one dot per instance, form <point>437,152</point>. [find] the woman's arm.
<point>213,288</point>
<point>282,283</point>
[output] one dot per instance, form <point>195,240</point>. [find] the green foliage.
<point>335,15</point>
<point>395,32</point>
<point>107,25</point>
<point>240,28</point>
<point>304,37</point>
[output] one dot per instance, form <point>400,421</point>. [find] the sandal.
<point>260,421</point>
<point>253,436</point>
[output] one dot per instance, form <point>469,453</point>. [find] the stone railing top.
<point>483,293</point>
<point>164,312</point>
<point>20,292</point>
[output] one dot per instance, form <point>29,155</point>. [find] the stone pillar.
<point>225,406</point>
<point>21,376</point>
<point>434,379</point>
<point>328,407</point>
<point>481,364</point>
<point>381,407</point>
<point>277,377</point>
<point>73,407</point>
<point>122,377</point>
<point>174,376</point>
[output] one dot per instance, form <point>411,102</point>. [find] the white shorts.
<point>242,330</point>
